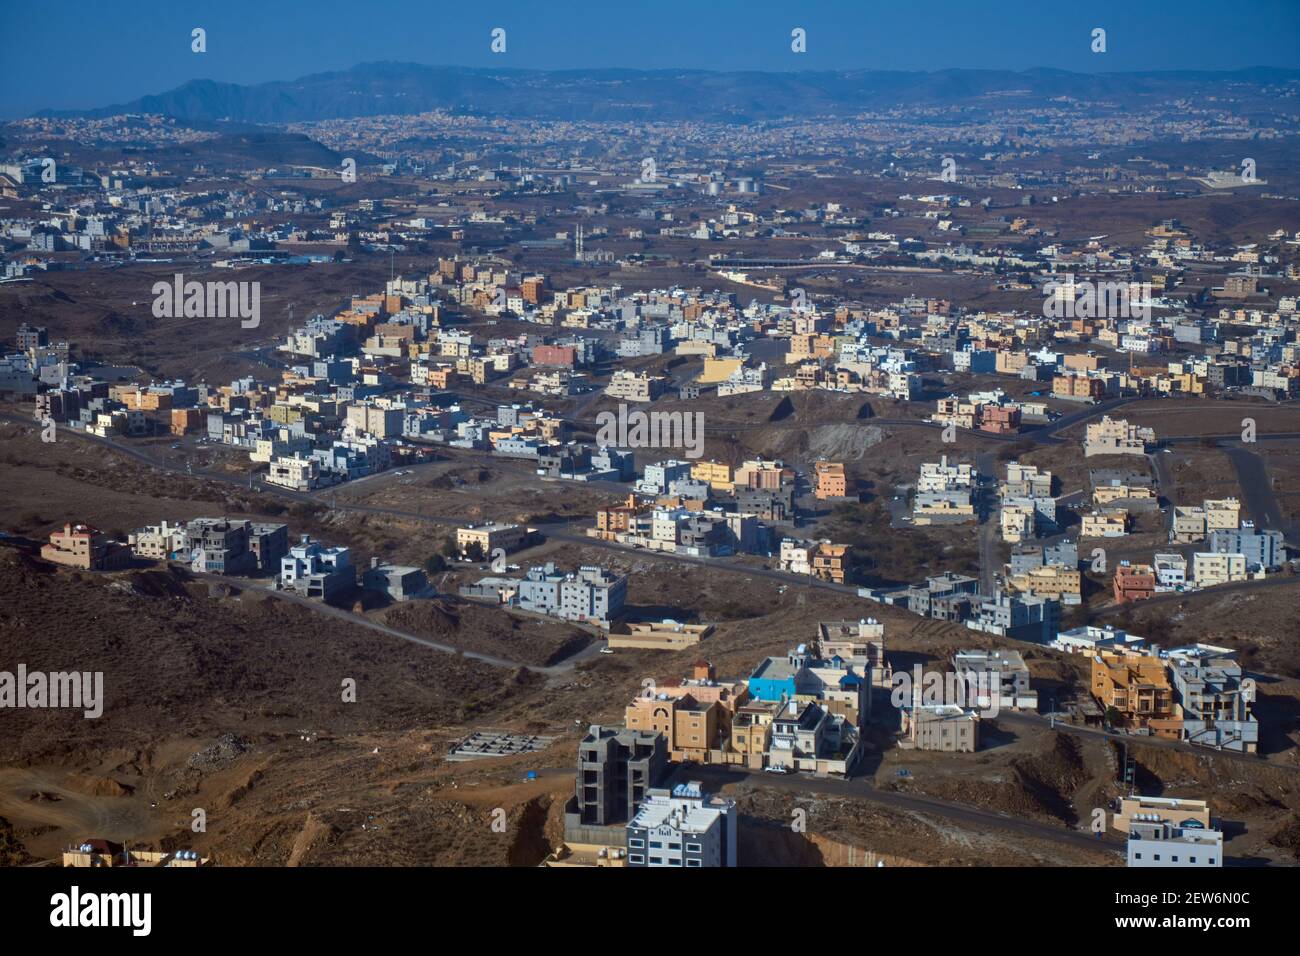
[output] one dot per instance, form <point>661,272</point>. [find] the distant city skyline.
<point>81,55</point>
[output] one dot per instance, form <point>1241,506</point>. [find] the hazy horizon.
<point>143,48</point>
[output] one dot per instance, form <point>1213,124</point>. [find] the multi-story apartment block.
<point>1056,581</point>
<point>160,542</point>
<point>658,477</point>
<point>830,561</point>
<point>633,387</point>
<point>1194,522</point>
<point>1263,550</point>
<point>1136,693</point>
<point>859,644</point>
<point>944,493</point>
<point>1016,522</point>
<point>1133,582</point>
<point>983,670</point>
<point>1210,568</point>
<point>683,828</point>
<point>268,543</point>
<point>716,474</point>
<point>1216,704</point>
<point>616,769</point>
<point>1026,481</point>
<point>1171,570</point>
<point>1115,436</point>
<point>947,728</point>
<point>1025,617</point>
<point>316,571</point>
<point>295,473</point>
<point>591,595</point>
<point>220,546</point>
<point>828,480</point>
<point>1162,845</point>
<point>762,475</point>
<point>1112,523</point>
<point>487,538</point>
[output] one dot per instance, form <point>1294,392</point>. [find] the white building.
<point>1159,843</point>
<point>682,828</point>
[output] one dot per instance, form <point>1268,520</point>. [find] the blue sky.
<point>78,53</point>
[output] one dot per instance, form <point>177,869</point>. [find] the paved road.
<point>863,789</point>
<point>1039,721</point>
<point>328,610</point>
<point>1257,490</point>
<point>1280,580</point>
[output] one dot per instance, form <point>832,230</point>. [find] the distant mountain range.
<point>374,89</point>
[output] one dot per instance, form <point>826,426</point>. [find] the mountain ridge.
<point>393,88</point>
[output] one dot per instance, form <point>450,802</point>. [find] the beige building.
<point>1179,811</point>
<point>1104,524</point>
<point>490,537</point>
<point>1055,581</point>
<point>105,853</point>
<point>661,635</point>
<point>943,727</point>
<point>1115,436</point>
<point>632,387</point>
<point>1017,522</point>
<point>1105,494</point>
<point>293,472</point>
<point>1210,568</point>
<point>1195,522</point>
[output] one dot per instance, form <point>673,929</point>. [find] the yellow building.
<point>714,473</point>
<point>719,370</point>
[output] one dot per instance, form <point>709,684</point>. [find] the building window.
<point>636,858</point>
<point>694,848</point>
<point>694,863</point>
<point>636,844</point>
<point>656,861</point>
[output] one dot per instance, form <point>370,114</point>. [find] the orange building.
<point>828,480</point>
<point>1138,690</point>
<point>829,561</point>
<point>1134,582</point>
<point>616,519</point>
<point>999,420</point>
<point>694,715</point>
<point>186,420</point>
<point>81,546</point>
